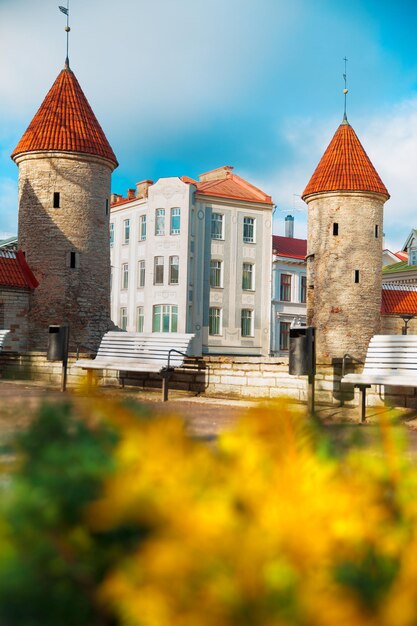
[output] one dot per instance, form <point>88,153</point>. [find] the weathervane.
<point>65,11</point>
<point>345,91</point>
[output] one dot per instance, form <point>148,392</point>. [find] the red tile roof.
<point>289,247</point>
<point>403,256</point>
<point>399,300</point>
<point>65,122</point>
<point>345,166</point>
<point>224,184</point>
<point>14,271</point>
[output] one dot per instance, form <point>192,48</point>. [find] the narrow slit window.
<point>56,199</point>
<point>356,276</point>
<point>107,206</point>
<point>73,260</point>
<point>335,229</point>
<point>376,231</point>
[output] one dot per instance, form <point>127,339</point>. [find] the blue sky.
<point>186,86</point>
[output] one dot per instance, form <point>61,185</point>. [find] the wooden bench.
<point>390,360</point>
<point>140,352</point>
<point>3,335</point>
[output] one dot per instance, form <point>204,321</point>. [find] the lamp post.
<point>406,319</point>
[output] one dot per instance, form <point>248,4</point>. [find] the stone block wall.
<point>14,309</point>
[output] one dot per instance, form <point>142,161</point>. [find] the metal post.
<point>310,393</point>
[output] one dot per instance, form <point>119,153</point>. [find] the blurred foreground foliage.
<point>112,517</point>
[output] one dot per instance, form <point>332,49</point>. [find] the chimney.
<point>115,197</point>
<point>218,174</point>
<point>131,194</point>
<point>142,188</point>
<point>289,226</point>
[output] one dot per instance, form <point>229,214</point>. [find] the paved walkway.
<point>205,417</point>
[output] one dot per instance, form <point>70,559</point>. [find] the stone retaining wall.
<point>239,377</point>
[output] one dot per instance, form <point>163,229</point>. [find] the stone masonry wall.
<point>231,377</point>
<point>346,314</point>
<point>79,296</point>
<point>14,307</point>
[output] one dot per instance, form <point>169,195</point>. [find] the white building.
<point>289,287</point>
<point>194,256</point>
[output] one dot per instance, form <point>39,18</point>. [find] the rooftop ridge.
<point>345,166</point>
<point>65,122</point>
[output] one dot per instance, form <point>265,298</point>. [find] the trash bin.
<point>57,343</point>
<point>302,354</point>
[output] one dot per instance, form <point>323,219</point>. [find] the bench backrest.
<point>3,335</point>
<point>152,347</point>
<point>392,352</point>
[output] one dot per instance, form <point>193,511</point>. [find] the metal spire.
<point>65,11</point>
<point>345,91</point>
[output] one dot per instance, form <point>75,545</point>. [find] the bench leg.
<point>164,387</point>
<point>363,389</point>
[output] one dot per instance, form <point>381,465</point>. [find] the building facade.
<point>194,256</point>
<point>289,288</point>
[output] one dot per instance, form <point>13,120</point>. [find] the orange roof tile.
<point>345,166</point>
<point>14,270</point>
<point>65,122</point>
<point>232,186</point>
<point>399,300</point>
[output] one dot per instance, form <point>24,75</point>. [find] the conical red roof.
<point>345,166</point>
<point>65,122</point>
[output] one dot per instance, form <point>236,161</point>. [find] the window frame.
<point>155,270</point>
<point>159,222</point>
<point>140,318</point>
<point>170,270</point>
<point>216,271</point>
<point>243,323</point>
<point>172,230</point>
<point>126,231</point>
<point>215,235</point>
<point>125,276</point>
<point>142,228</point>
<point>167,312</point>
<point>284,287</point>
<point>217,320</point>
<point>252,225</point>
<point>123,317</point>
<point>303,288</point>
<point>284,336</point>
<point>249,273</point>
<point>141,273</point>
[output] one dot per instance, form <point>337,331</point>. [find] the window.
<point>139,319</point>
<point>56,200</point>
<point>165,318</point>
<point>246,323</point>
<point>285,288</point>
<point>160,222</point>
<point>125,276</point>
<point>111,234</point>
<point>284,336</point>
<point>126,231</point>
<point>158,278</point>
<point>356,276</point>
<point>173,270</point>
<point>73,260</point>
<point>142,228</point>
<point>413,256</point>
<point>141,273</point>
<point>248,276</point>
<point>216,278</point>
<point>175,221</point>
<point>249,230</point>
<point>216,226</point>
<point>335,229</point>
<point>303,289</point>
<point>123,318</point>
<point>215,321</point>
<point>107,206</point>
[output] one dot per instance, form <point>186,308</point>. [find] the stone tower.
<point>345,199</point>
<point>65,164</point>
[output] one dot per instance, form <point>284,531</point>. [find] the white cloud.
<point>8,208</point>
